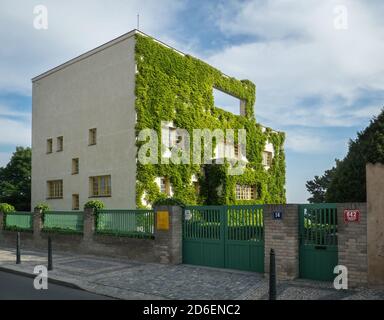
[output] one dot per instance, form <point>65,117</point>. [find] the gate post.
<point>352,243</point>
<point>281,233</point>
<point>2,217</point>
<point>37,226</point>
<point>375,223</point>
<point>168,234</point>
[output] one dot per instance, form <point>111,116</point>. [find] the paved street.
<point>18,287</point>
<point>125,279</point>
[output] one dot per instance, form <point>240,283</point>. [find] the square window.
<point>100,186</point>
<point>55,189</point>
<point>244,192</point>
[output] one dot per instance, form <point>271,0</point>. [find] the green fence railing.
<point>19,221</point>
<point>64,221</point>
<point>138,223</point>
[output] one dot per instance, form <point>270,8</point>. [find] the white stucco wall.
<point>96,91</point>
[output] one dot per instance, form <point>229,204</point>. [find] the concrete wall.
<point>375,206</point>
<point>95,90</point>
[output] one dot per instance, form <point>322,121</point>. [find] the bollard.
<point>50,265</point>
<point>18,260</point>
<point>272,276</point>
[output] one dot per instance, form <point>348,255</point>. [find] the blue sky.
<point>317,83</point>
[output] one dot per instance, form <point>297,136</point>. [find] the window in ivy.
<point>228,102</point>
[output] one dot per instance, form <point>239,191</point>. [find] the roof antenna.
<point>138,21</point>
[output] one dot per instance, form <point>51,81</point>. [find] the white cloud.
<point>73,28</point>
<point>310,142</point>
<point>14,132</point>
<point>6,111</point>
<point>298,53</point>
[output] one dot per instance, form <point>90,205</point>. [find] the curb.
<point>55,281</point>
<point>50,280</point>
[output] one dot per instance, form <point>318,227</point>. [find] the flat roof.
<point>102,47</point>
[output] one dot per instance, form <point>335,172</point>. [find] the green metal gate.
<point>224,237</point>
<point>318,241</point>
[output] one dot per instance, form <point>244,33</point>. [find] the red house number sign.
<point>351,215</point>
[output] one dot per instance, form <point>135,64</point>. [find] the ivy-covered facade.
<point>178,88</point>
<point>87,119</point>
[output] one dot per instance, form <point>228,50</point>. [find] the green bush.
<point>94,204</point>
<point>6,208</point>
<point>43,207</point>
<point>164,201</point>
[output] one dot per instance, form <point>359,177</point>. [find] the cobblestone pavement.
<point>127,279</point>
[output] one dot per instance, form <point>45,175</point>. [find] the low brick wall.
<point>164,248</point>
<point>282,235</point>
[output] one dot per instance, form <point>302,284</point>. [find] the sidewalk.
<point>124,279</point>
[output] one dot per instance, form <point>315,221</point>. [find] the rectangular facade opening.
<point>228,102</point>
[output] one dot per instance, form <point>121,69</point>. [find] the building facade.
<point>88,113</point>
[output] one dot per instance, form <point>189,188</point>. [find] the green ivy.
<point>173,87</point>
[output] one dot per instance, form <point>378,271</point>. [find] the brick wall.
<point>352,244</point>
<point>282,236</point>
<point>168,246</point>
<point>165,248</point>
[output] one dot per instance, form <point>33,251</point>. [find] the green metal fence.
<point>318,241</point>
<point>64,221</point>
<point>18,220</point>
<point>224,236</point>
<point>138,223</point>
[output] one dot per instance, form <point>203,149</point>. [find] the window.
<point>55,189</point>
<point>267,158</point>
<point>92,136</point>
<point>60,141</point>
<point>164,185</point>
<point>100,186</point>
<point>75,202</point>
<point>246,192</point>
<point>236,149</point>
<point>170,137</point>
<point>228,102</point>
<point>196,186</point>
<point>75,166</point>
<point>49,145</point>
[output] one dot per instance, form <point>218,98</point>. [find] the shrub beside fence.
<point>19,221</point>
<point>137,223</point>
<point>63,221</point>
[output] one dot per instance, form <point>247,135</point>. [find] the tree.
<point>347,182</point>
<point>319,186</point>
<point>15,180</point>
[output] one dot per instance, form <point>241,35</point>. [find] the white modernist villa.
<point>83,130</point>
